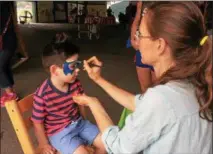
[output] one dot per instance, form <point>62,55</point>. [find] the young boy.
<point>58,121</point>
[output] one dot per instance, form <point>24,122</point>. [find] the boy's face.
<point>58,72</point>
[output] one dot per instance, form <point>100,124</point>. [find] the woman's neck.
<point>161,67</point>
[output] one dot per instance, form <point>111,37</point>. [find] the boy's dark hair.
<point>58,51</point>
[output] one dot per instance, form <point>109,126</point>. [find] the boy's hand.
<point>48,149</point>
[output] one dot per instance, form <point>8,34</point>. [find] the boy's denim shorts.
<point>78,133</point>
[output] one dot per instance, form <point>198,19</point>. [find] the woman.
<point>9,44</point>
<point>174,115</point>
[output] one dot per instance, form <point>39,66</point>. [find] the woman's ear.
<point>161,45</point>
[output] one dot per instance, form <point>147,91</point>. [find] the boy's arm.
<point>38,116</point>
<point>44,144</point>
<point>40,133</point>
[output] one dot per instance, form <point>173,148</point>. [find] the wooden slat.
<point>20,127</point>
<point>26,103</point>
<point>28,123</point>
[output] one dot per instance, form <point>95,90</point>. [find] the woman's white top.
<point>166,121</point>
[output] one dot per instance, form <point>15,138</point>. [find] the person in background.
<point>130,13</point>
<point>145,72</point>
<point>109,12</point>
<point>8,47</point>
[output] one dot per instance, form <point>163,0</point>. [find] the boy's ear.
<point>53,70</point>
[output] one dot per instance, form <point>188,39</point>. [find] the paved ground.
<point>118,68</point>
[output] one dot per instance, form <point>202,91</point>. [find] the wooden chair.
<point>22,123</point>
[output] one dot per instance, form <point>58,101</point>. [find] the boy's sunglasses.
<point>69,67</point>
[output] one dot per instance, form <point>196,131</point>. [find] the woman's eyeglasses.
<point>138,35</point>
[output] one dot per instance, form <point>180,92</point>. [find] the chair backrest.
<point>25,105</point>
<point>21,125</point>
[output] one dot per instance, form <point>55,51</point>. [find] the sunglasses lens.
<point>78,64</point>
<point>72,66</point>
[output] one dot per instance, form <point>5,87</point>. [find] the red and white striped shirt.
<point>54,108</point>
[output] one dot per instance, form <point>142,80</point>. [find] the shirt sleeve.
<point>39,112</point>
<point>152,118</point>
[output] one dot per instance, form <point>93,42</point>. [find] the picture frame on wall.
<point>60,12</point>
<point>72,12</point>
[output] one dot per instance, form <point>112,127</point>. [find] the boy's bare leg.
<point>99,146</point>
<point>81,150</point>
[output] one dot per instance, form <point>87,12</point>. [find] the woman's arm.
<point>143,127</point>
<point>121,96</point>
<point>101,117</point>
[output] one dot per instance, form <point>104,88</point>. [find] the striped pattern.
<point>54,108</point>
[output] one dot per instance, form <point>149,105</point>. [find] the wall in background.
<point>45,12</point>
<point>93,9</point>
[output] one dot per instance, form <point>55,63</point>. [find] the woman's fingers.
<point>94,60</point>
<point>84,99</point>
<point>93,72</point>
<point>80,99</point>
<point>87,67</point>
<point>76,99</point>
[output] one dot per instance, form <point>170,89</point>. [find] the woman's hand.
<point>94,72</point>
<point>85,100</point>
